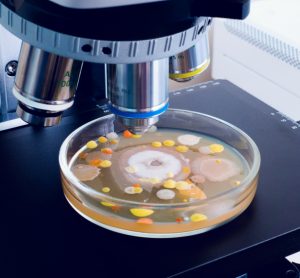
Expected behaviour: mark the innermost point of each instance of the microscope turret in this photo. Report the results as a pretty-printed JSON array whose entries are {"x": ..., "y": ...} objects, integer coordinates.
[{"x": 141, "y": 43}]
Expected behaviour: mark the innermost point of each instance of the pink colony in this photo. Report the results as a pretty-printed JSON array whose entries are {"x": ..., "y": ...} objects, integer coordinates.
[
  {"x": 197, "y": 179},
  {"x": 215, "y": 170},
  {"x": 85, "y": 172}
]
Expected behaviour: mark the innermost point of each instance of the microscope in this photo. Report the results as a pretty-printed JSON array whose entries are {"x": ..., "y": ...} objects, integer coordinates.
[
  {"x": 138, "y": 45},
  {"x": 141, "y": 44}
]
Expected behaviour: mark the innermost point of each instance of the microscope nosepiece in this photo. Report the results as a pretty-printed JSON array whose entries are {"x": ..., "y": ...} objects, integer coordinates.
[{"x": 45, "y": 85}]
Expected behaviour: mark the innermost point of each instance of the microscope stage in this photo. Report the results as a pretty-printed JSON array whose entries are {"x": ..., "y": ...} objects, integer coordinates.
[{"x": 44, "y": 237}]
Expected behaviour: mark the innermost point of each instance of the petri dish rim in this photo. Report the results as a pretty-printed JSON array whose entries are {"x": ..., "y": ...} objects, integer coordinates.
[{"x": 64, "y": 166}]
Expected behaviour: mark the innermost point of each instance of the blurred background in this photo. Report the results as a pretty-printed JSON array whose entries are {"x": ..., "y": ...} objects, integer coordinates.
[{"x": 260, "y": 54}]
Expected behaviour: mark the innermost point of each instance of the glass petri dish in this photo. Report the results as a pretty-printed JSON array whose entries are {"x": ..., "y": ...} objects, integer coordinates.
[{"x": 161, "y": 218}]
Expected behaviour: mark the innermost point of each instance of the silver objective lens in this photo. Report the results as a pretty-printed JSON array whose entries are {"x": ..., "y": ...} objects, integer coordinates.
[
  {"x": 186, "y": 65},
  {"x": 138, "y": 93},
  {"x": 45, "y": 85}
]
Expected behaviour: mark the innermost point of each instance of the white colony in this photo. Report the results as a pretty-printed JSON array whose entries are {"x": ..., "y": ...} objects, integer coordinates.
[
  {"x": 112, "y": 135},
  {"x": 147, "y": 166},
  {"x": 154, "y": 164},
  {"x": 188, "y": 139},
  {"x": 165, "y": 194},
  {"x": 205, "y": 150}
]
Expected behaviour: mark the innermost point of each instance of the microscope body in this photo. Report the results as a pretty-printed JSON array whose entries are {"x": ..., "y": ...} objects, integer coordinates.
[{"x": 141, "y": 43}]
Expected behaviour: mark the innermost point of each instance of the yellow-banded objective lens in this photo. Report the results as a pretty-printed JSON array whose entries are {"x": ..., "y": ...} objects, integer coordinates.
[{"x": 191, "y": 74}]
